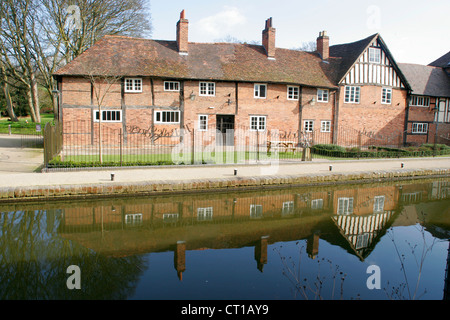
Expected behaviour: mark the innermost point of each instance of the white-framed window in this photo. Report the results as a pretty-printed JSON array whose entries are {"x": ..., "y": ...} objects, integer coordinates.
[
  {"x": 288, "y": 207},
  {"x": 133, "y": 219},
  {"x": 418, "y": 127},
  {"x": 317, "y": 204},
  {"x": 260, "y": 91},
  {"x": 325, "y": 126},
  {"x": 375, "y": 55},
  {"x": 386, "y": 95},
  {"x": 108, "y": 116},
  {"x": 167, "y": 116},
  {"x": 378, "y": 204},
  {"x": 308, "y": 125},
  {"x": 257, "y": 123},
  {"x": 207, "y": 89},
  {"x": 170, "y": 217},
  {"x": 352, "y": 94},
  {"x": 133, "y": 85},
  {"x": 203, "y": 122},
  {"x": 362, "y": 241},
  {"x": 171, "y": 86},
  {"x": 256, "y": 211},
  {"x": 205, "y": 214},
  {"x": 419, "y": 101},
  {"x": 322, "y": 95},
  {"x": 293, "y": 93},
  {"x": 345, "y": 206}
]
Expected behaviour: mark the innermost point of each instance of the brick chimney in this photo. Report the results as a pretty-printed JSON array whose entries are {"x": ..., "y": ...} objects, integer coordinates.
[
  {"x": 323, "y": 45},
  {"x": 268, "y": 39},
  {"x": 182, "y": 34}
]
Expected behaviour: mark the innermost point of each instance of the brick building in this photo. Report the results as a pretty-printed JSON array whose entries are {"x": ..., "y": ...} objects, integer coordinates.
[{"x": 164, "y": 86}]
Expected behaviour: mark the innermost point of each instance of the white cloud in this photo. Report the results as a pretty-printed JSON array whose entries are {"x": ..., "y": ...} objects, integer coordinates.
[{"x": 220, "y": 24}]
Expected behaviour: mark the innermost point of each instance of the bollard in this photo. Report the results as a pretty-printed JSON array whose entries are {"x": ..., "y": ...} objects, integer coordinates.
[
  {"x": 331, "y": 168},
  {"x": 9, "y": 129},
  {"x": 112, "y": 176}
]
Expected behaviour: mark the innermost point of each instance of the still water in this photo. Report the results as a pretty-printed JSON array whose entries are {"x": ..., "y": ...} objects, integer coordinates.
[{"x": 374, "y": 241}]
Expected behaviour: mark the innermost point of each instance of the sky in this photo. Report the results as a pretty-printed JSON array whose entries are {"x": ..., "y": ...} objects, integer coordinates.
[{"x": 414, "y": 31}]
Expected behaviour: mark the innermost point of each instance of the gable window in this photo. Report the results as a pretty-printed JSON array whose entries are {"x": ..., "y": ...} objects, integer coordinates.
[
  {"x": 260, "y": 91},
  {"x": 374, "y": 55},
  {"x": 308, "y": 125},
  {"x": 167, "y": 116},
  {"x": 386, "y": 96},
  {"x": 203, "y": 122},
  {"x": 418, "y": 127},
  {"x": 133, "y": 85},
  {"x": 325, "y": 126},
  {"x": 258, "y": 123},
  {"x": 418, "y": 101},
  {"x": 293, "y": 93},
  {"x": 322, "y": 95},
  {"x": 352, "y": 94},
  {"x": 108, "y": 116},
  {"x": 171, "y": 86},
  {"x": 207, "y": 89}
]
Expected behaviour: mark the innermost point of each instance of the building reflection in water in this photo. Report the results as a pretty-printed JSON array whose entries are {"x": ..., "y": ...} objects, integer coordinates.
[{"x": 352, "y": 217}]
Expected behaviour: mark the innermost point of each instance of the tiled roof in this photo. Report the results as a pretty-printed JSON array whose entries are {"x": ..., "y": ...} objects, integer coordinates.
[
  {"x": 125, "y": 56},
  {"x": 426, "y": 80},
  {"x": 349, "y": 53},
  {"x": 442, "y": 62}
]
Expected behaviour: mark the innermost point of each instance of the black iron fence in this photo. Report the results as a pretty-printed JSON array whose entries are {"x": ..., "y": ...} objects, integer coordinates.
[{"x": 78, "y": 144}]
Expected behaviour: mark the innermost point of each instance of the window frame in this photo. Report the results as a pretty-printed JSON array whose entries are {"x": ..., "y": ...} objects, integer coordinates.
[
  {"x": 376, "y": 53},
  {"x": 320, "y": 98},
  {"x": 257, "y": 90},
  {"x": 384, "y": 96},
  {"x": 209, "y": 87},
  {"x": 416, "y": 104},
  {"x": 295, "y": 95},
  {"x": 258, "y": 124},
  {"x": 311, "y": 124},
  {"x": 161, "y": 117},
  {"x": 356, "y": 94},
  {"x": 322, "y": 125},
  {"x": 205, "y": 214},
  {"x": 256, "y": 211},
  {"x": 345, "y": 206},
  {"x": 133, "y": 85},
  {"x": 106, "y": 111},
  {"x": 416, "y": 125},
  {"x": 175, "y": 83},
  {"x": 200, "y": 121}
]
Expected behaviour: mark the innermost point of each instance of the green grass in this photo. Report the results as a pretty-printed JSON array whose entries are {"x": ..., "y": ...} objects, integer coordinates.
[{"x": 25, "y": 125}]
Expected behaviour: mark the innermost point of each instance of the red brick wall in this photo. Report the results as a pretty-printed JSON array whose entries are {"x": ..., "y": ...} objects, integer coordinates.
[{"x": 384, "y": 122}]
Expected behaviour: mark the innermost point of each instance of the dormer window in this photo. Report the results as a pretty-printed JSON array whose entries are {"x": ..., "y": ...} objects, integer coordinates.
[{"x": 374, "y": 55}]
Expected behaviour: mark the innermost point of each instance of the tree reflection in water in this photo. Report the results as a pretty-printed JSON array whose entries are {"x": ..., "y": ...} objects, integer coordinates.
[{"x": 34, "y": 260}]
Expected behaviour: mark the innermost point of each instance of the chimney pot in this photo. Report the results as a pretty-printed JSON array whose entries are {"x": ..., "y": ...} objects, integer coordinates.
[
  {"x": 323, "y": 45},
  {"x": 268, "y": 39},
  {"x": 183, "y": 34}
]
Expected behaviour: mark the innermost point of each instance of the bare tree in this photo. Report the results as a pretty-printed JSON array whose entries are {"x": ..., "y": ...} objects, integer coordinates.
[
  {"x": 102, "y": 82},
  {"x": 17, "y": 22},
  {"x": 309, "y": 46}
]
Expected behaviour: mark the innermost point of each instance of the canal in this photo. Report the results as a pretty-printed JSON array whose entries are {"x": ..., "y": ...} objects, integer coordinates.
[{"x": 363, "y": 241}]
